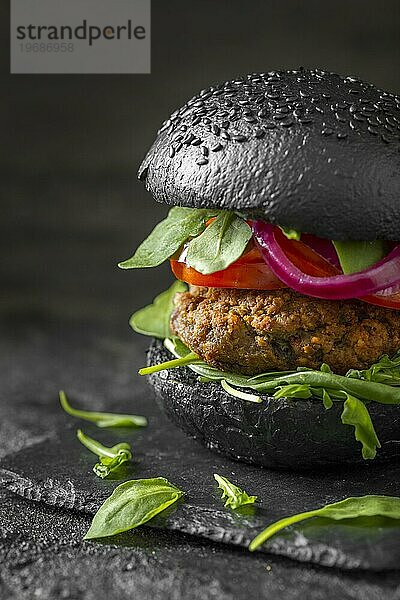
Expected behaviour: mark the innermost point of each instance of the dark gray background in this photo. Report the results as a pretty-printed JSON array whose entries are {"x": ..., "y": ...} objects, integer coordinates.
[
  {"x": 71, "y": 207},
  {"x": 71, "y": 145}
]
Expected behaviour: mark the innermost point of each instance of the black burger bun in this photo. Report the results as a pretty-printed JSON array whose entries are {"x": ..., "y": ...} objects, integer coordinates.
[
  {"x": 278, "y": 433},
  {"x": 305, "y": 149}
]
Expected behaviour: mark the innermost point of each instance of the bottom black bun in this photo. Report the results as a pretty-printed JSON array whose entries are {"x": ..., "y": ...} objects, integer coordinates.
[{"x": 279, "y": 433}]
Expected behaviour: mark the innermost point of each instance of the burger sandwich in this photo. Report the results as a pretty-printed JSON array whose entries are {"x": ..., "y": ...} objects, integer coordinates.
[{"x": 278, "y": 344}]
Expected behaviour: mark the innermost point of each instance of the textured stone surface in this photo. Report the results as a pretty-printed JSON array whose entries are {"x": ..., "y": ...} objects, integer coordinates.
[
  {"x": 98, "y": 370},
  {"x": 42, "y": 557},
  {"x": 302, "y": 148}
]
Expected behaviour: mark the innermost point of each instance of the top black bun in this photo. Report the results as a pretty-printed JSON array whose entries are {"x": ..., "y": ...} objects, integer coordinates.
[{"x": 305, "y": 149}]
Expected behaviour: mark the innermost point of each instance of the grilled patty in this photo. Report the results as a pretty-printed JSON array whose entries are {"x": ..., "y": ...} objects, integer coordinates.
[{"x": 256, "y": 331}]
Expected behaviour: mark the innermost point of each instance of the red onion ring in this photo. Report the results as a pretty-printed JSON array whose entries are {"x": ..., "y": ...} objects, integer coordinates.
[
  {"x": 384, "y": 274},
  {"x": 323, "y": 247}
]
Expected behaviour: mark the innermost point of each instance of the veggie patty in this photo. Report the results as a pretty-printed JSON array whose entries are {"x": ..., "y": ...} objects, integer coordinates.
[{"x": 251, "y": 331}]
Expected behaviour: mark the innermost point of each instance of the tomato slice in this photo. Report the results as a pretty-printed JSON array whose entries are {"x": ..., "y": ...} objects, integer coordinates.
[
  {"x": 250, "y": 271},
  {"x": 392, "y": 301}
]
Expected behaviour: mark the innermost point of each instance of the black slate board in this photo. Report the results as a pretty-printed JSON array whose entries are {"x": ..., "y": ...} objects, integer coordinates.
[
  {"x": 58, "y": 472},
  {"x": 98, "y": 370}
]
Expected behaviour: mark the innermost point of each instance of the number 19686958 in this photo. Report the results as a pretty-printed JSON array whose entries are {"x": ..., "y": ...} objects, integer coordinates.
[{"x": 47, "y": 47}]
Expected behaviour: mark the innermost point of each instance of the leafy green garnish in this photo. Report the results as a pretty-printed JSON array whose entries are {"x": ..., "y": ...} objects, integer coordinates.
[
  {"x": 386, "y": 370},
  {"x": 356, "y": 413},
  {"x": 291, "y": 234},
  {"x": 220, "y": 244},
  {"x": 338, "y": 386},
  {"x": 110, "y": 458},
  {"x": 168, "y": 236},
  {"x": 356, "y": 256},
  {"x": 304, "y": 384},
  {"x": 102, "y": 419},
  {"x": 350, "y": 508},
  {"x": 233, "y": 495},
  {"x": 326, "y": 399},
  {"x": 154, "y": 319},
  {"x": 131, "y": 504}
]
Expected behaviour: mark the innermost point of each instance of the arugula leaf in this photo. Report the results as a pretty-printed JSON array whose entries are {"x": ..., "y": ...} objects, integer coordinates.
[
  {"x": 168, "y": 236},
  {"x": 293, "y": 390},
  {"x": 356, "y": 413},
  {"x": 357, "y": 256},
  {"x": 336, "y": 384},
  {"x": 110, "y": 458},
  {"x": 233, "y": 495},
  {"x": 131, "y": 504},
  {"x": 220, "y": 244},
  {"x": 187, "y": 360},
  {"x": 154, "y": 319},
  {"x": 326, "y": 399},
  {"x": 350, "y": 508},
  {"x": 291, "y": 234},
  {"x": 386, "y": 370},
  {"x": 303, "y": 383},
  {"x": 102, "y": 419}
]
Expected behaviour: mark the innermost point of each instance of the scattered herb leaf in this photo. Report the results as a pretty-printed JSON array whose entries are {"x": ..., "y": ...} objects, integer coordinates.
[
  {"x": 350, "y": 508},
  {"x": 131, "y": 504},
  {"x": 233, "y": 495},
  {"x": 110, "y": 458},
  {"x": 168, "y": 236},
  {"x": 154, "y": 319},
  {"x": 102, "y": 419},
  {"x": 220, "y": 244}
]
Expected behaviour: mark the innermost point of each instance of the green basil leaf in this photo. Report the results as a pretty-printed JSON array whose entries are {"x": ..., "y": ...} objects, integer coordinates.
[
  {"x": 154, "y": 319},
  {"x": 355, "y": 413},
  {"x": 358, "y": 256},
  {"x": 168, "y": 236},
  {"x": 350, "y": 508},
  {"x": 108, "y": 466},
  {"x": 234, "y": 496},
  {"x": 131, "y": 504},
  {"x": 220, "y": 244},
  {"x": 102, "y": 419},
  {"x": 110, "y": 458}
]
